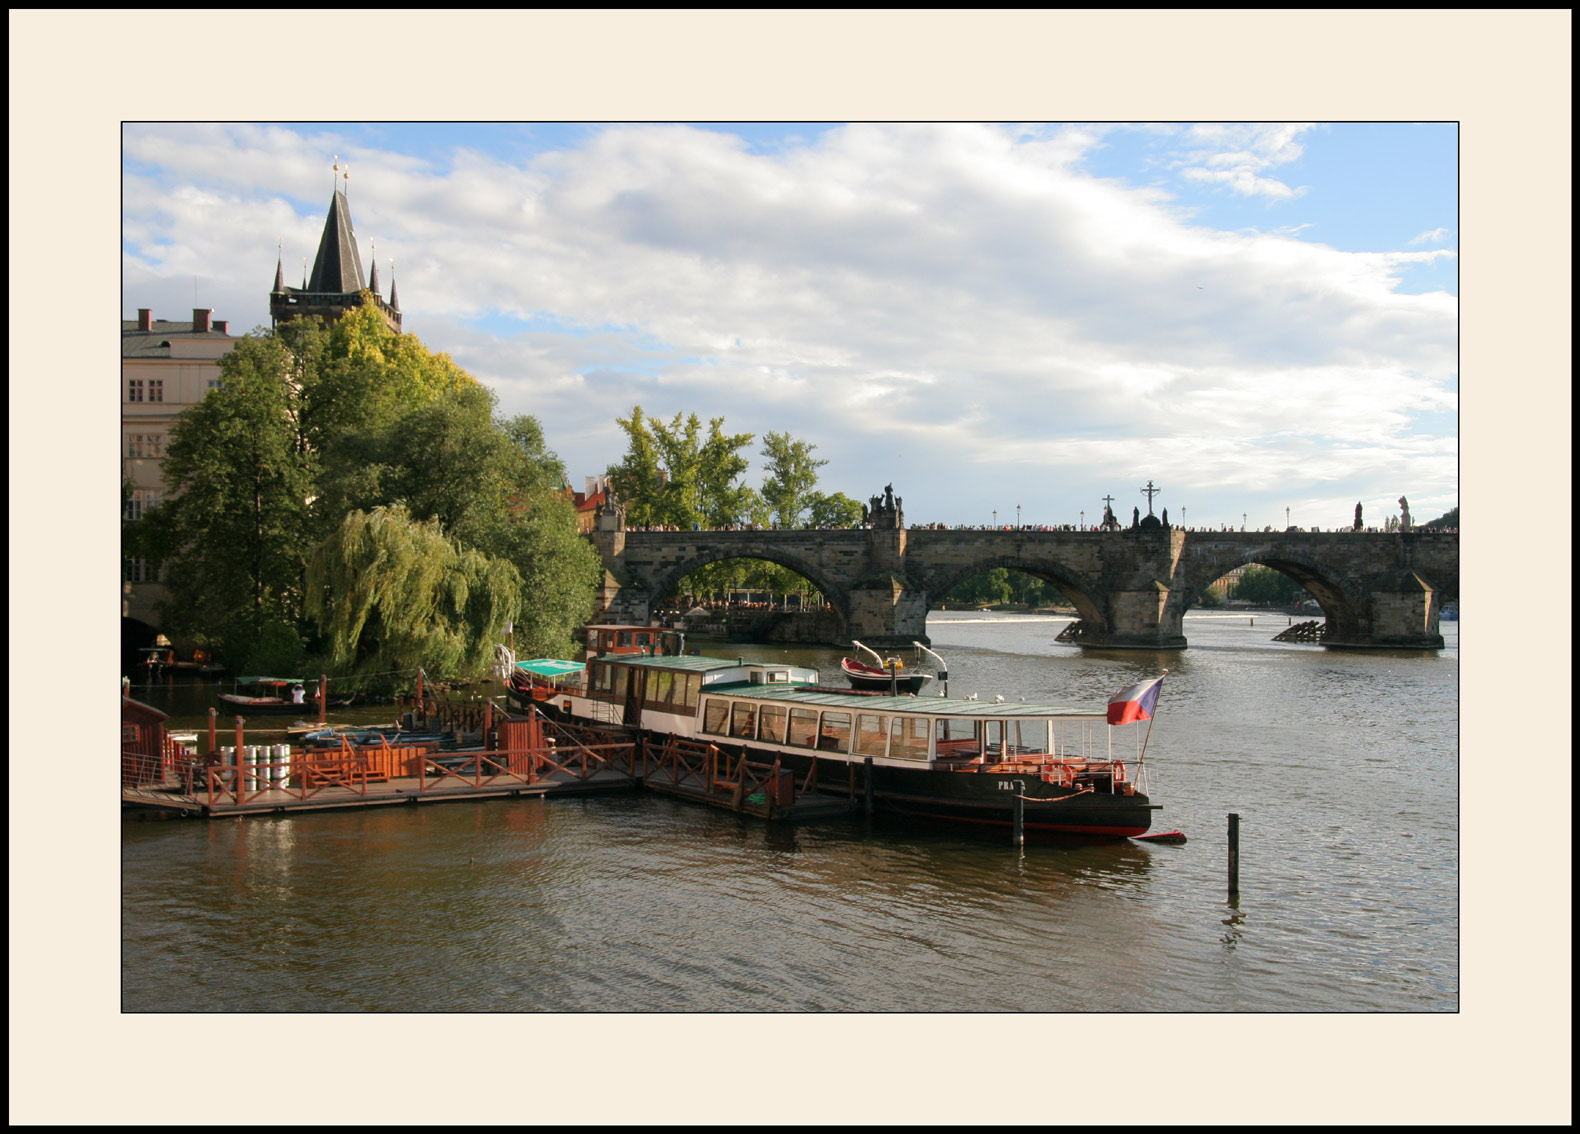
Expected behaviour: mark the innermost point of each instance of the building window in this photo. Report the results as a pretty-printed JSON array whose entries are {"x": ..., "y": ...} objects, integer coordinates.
[
  {"x": 137, "y": 571},
  {"x": 145, "y": 445},
  {"x": 216, "y": 383},
  {"x": 156, "y": 389},
  {"x": 142, "y": 500},
  {"x": 134, "y": 389}
]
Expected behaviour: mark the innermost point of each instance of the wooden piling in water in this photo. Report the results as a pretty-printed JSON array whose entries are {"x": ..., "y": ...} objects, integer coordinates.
[{"x": 1234, "y": 855}]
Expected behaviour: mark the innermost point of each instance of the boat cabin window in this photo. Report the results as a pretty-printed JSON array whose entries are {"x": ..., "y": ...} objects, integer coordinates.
[
  {"x": 621, "y": 676},
  {"x": 992, "y": 739},
  {"x": 871, "y": 734},
  {"x": 714, "y": 713},
  {"x": 660, "y": 687},
  {"x": 803, "y": 728},
  {"x": 957, "y": 738},
  {"x": 834, "y": 736},
  {"x": 688, "y": 700},
  {"x": 602, "y": 680},
  {"x": 909, "y": 739},
  {"x": 622, "y": 637},
  {"x": 771, "y": 723},
  {"x": 743, "y": 721}
]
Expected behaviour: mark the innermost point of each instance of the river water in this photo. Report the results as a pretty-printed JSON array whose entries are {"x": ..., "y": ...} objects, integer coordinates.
[{"x": 1342, "y": 765}]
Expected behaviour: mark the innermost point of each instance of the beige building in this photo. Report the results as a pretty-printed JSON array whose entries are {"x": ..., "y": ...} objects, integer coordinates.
[{"x": 165, "y": 367}]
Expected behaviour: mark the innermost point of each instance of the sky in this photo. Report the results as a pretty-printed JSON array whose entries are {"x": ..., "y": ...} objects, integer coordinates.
[{"x": 1005, "y": 320}]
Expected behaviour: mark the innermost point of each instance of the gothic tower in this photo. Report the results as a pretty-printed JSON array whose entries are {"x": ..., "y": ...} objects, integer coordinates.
[{"x": 336, "y": 284}]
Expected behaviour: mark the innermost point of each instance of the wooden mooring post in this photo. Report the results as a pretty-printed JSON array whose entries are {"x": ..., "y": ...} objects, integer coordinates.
[
  {"x": 1018, "y": 837},
  {"x": 867, "y": 766},
  {"x": 1234, "y": 855}
]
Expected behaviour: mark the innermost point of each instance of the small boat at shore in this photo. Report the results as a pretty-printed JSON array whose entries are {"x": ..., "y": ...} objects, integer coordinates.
[{"x": 289, "y": 696}]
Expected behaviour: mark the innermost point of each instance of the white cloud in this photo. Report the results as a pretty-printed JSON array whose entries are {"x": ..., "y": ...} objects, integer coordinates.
[
  {"x": 1431, "y": 236},
  {"x": 912, "y": 299}
]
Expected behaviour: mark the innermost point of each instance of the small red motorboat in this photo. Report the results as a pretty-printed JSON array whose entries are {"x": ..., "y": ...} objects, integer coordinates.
[{"x": 871, "y": 679}]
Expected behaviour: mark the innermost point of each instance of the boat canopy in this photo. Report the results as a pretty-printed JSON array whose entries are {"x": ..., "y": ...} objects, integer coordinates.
[
  {"x": 271, "y": 681},
  {"x": 549, "y": 667}
]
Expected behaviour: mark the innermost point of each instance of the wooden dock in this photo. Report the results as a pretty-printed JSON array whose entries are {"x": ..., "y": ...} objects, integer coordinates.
[
  {"x": 527, "y": 756},
  {"x": 175, "y": 800}
]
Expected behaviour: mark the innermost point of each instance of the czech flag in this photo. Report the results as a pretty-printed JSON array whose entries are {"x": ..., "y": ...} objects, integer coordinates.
[{"x": 1134, "y": 702}]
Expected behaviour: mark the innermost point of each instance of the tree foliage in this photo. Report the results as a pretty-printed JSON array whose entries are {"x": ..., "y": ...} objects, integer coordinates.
[
  {"x": 790, "y": 480},
  {"x": 391, "y": 593},
  {"x": 834, "y": 510},
  {"x": 234, "y": 533},
  {"x": 674, "y": 476},
  {"x": 316, "y": 426}
]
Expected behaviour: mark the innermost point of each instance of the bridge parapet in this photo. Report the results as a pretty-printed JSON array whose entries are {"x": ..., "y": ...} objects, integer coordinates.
[{"x": 1131, "y": 587}]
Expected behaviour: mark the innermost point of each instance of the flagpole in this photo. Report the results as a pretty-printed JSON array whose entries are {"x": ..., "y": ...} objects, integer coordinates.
[{"x": 1150, "y": 721}]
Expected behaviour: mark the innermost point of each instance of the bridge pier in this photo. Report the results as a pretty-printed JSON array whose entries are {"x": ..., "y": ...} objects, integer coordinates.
[
  {"x": 1401, "y": 613},
  {"x": 886, "y": 614},
  {"x": 1138, "y": 620}
]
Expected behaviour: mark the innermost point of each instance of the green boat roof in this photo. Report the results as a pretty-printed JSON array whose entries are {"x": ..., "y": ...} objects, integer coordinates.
[
  {"x": 550, "y": 667},
  {"x": 693, "y": 663},
  {"x": 883, "y": 703}
]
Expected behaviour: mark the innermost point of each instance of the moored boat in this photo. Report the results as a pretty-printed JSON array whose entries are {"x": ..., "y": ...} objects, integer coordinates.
[
  {"x": 871, "y": 679},
  {"x": 934, "y": 758},
  {"x": 291, "y": 696}
]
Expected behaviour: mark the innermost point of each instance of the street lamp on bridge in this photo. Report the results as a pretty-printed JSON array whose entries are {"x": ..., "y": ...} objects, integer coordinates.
[
  {"x": 1242, "y": 521},
  {"x": 1017, "y": 517},
  {"x": 995, "y": 517}
]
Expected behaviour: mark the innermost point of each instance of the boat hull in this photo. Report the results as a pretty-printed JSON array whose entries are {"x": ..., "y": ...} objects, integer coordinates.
[
  {"x": 984, "y": 799},
  {"x": 865, "y": 679},
  {"x": 272, "y": 706}
]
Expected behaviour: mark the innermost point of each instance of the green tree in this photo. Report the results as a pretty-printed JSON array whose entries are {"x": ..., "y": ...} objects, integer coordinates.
[
  {"x": 357, "y": 420},
  {"x": 835, "y": 510},
  {"x": 790, "y": 478},
  {"x": 671, "y": 475},
  {"x": 233, "y": 534},
  {"x": 390, "y": 593}
]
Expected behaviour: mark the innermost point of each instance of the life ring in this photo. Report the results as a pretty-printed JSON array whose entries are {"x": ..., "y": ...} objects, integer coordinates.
[{"x": 1119, "y": 771}]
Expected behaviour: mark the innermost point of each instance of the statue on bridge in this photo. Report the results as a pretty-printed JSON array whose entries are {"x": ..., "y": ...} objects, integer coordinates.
[
  {"x": 1404, "y": 515},
  {"x": 1358, "y": 517},
  {"x": 1135, "y": 519},
  {"x": 884, "y": 512},
  {"x": 1110, "y": 523}
]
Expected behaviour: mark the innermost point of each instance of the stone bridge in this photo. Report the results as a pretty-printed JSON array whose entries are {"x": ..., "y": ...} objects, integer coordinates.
[{"x": 1131, "y": 588}]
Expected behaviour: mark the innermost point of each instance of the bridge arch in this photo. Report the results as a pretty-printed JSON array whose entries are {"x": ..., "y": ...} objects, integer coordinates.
[
  {"x": 1081, "y": 592},
  {"x": 1343, "y": 601},
  {"x": 664, "y": 580}
]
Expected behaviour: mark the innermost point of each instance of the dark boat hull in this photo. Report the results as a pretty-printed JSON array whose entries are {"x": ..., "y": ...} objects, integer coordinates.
[
  {"x": 271, "y": 706},
  {"x": 984, "y": 799},
  {"x": 876, "y": 682}
]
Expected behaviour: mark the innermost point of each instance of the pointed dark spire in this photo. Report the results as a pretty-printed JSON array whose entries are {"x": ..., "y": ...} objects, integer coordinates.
[
  {"x": 394, "y": 303},
  {"x": 338, "y": 269},
  {"x": 373, "y": 273},
  {"x": 279, "y": 274}
]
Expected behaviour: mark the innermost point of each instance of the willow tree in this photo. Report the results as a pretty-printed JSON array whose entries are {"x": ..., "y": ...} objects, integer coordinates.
[{"x": 392, "y": 593}]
